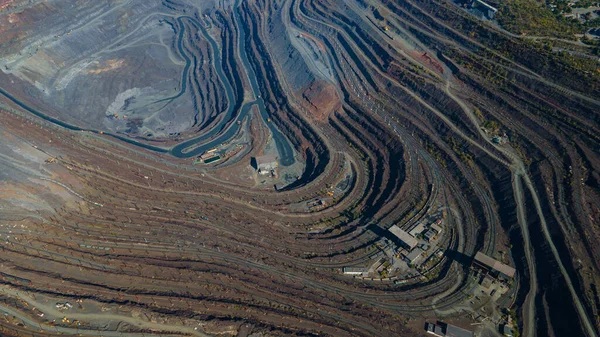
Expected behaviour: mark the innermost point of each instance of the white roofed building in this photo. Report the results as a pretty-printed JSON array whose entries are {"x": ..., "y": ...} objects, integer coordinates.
[{"x": 407, "y": 239}]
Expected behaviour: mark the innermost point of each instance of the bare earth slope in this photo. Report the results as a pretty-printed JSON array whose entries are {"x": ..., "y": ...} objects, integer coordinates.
[{"x": 234, "y": 168}]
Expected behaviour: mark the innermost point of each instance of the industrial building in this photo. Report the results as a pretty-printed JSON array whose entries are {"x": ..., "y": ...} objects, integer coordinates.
[
  {"x": 418, "y": 229},
  {"x": 486, "y": 281},
  {"x": 454, "y": 331},
  {"x": 435, "y": 330},
  {"x": 406, "y": 239},
  {"x": 486, "y": 9},
  {"x": 353, "y": 271},
  {"x": 488, "y": 264},
  {"x": 266, "y": 163},
  {"x": 447, "y": 330},
  {"x": 414, "y": 256},
  {"x": 430, "y": 235}
]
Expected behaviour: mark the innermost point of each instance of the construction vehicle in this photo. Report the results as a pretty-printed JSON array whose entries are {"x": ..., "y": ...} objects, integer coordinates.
[{"x": 50, "y": 160}]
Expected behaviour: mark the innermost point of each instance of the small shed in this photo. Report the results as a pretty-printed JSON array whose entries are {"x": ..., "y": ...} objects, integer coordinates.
[
  {"x": 435, "y": 330},
  {"x": 436, "y": 228},
  {"x": 508, "y": 331}
]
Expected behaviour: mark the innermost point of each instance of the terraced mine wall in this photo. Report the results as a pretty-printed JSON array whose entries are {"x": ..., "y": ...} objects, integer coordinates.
[{"x": 148, "y": 214}]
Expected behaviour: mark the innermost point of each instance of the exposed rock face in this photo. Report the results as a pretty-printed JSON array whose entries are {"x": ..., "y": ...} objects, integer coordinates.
[
  {"x": 96, "y": 64},
  {"x": 322, "y": 100}
]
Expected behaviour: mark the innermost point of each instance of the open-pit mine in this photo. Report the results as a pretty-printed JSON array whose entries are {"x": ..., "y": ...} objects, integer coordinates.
[{"x": 295, "y": 168}]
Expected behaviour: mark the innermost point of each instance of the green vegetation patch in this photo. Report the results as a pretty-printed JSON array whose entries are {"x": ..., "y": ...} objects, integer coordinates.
[{"x": 533, "y": 18}]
